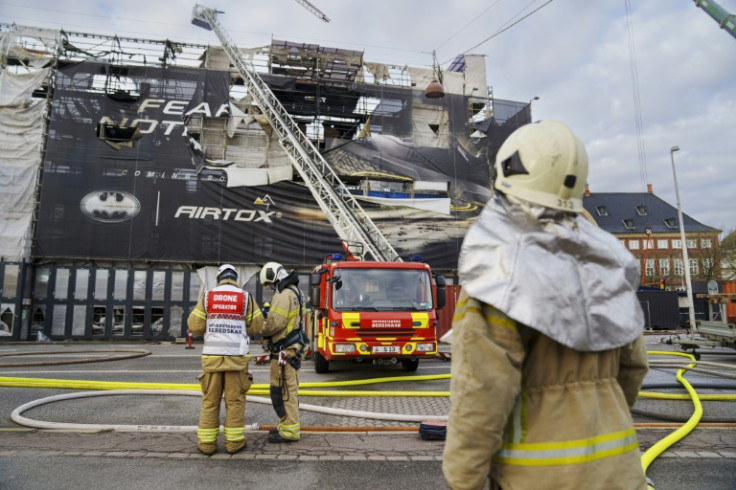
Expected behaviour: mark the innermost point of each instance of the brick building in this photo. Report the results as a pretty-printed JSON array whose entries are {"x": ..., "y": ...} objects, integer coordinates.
[{"x": 649, "y": 227}]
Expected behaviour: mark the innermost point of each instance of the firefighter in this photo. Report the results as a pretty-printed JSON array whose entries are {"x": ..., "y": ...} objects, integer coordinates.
[
  {"x": 224, "y": 315},
  {"x": 284, "y": 337},
  {"x": 547, "y": 348}
]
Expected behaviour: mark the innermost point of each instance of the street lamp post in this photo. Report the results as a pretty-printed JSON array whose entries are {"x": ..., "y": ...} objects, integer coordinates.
[
  {"x": 688, "y": 284},
  {"x": 536, "y": 97}
]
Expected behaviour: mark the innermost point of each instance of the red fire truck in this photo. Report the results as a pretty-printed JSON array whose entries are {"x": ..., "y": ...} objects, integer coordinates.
[{"x": 385, "y": 312}]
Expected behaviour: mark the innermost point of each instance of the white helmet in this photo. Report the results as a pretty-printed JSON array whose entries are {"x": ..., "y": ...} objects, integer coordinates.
[
  {"x": 227, "y": 271},
  {"x": 543, "y": 163},
  {"x": 269, "y": 273}
]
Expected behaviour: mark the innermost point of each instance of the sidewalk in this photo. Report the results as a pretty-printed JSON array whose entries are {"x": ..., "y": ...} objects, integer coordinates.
[{"x": 346, "y": 446}]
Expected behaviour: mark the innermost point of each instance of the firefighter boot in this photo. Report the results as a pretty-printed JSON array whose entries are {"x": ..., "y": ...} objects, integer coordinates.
[
  {"x": 277, "y": 439},
  {"x": 207, "y": 448},
  {"x": 233, "y": 447}
]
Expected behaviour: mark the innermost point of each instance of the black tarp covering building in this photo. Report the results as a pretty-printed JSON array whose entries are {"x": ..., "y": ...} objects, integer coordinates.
[{"x": 121, "y": 182}]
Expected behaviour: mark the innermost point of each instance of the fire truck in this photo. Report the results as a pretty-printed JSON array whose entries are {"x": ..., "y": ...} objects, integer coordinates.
[{"x": 378, "y": 311}]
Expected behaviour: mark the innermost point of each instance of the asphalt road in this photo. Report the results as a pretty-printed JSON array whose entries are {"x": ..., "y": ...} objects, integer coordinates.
[
  {"x": 350, "y": 452},
  {"x": 42, "y": 472}
]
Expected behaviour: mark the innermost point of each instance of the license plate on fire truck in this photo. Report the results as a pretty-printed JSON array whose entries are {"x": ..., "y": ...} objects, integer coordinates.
[{"x": 386, "y": 349}]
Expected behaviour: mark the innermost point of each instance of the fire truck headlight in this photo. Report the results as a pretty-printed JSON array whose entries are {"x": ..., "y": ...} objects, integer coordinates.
[
  {"x": 426, "y": 347},
  {"x": 345, "y": 348}
]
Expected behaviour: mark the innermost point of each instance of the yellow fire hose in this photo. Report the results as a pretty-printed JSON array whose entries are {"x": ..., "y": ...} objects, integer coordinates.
[
  {"x": 660, "y": 446},
  {"x": 256, "y": 389},
  {"x": 304, "y": 390}
]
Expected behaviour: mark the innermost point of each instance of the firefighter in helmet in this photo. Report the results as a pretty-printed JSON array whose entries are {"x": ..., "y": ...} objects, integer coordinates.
[
  {"x": 285, "y": 339},
  {"x": 547, "y": 348},
  {"x": 224, "y": 315}
]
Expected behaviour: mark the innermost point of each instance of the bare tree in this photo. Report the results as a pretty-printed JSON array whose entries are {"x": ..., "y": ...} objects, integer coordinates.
[
  {"x": 707, "y": 252},
  {"x": 728, "y": 256}
]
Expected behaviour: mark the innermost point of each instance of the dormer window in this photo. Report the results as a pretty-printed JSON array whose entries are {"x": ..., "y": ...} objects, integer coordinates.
[
  {"x": 601, "y": 210},
  {"x": 629, "y": 224},
  {"x": 641, "y": 210},
  {"x": 670, "y": 223}
]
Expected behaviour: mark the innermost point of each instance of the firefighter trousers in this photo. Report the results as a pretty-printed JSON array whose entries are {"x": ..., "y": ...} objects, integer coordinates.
[
  {"x": 284, "y": 388},
  {"x": 232, "y": 386}
]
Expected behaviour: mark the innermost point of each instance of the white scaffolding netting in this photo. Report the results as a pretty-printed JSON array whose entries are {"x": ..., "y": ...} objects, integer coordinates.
[{"x": 21, "y": 140}]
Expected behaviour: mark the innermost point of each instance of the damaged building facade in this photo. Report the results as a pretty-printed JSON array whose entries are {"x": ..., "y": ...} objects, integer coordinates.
[{"x": 132, "y": 166}]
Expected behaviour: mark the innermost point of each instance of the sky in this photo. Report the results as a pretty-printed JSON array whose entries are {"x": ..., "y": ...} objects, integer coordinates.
[{"x": 631, "y": 78}]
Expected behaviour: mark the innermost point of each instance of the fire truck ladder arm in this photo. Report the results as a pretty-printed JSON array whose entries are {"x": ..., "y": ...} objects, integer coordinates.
[{"x": 347, "y": 217}]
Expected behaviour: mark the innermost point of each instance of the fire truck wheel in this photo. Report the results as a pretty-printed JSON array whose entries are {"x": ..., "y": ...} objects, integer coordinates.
[
  {"x": 321, "y": 365},
  {"x": 410, "y": 365}
]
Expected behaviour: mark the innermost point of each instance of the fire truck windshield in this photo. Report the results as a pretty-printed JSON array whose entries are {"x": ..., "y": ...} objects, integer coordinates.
[{"x": 382, "y": 290}]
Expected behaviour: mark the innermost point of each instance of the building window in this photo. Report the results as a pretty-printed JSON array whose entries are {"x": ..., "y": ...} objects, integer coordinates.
[
  {"x": 692, "y": 243},
  {"x": 641, "y": 210},
  {"x": 662, "y": 244},
  {"x": 678, "y": 267},
  {"x": 601, "y": 210},
  {"x": 693, "y": 267},
  {"x": 664, "y": 267},
  {"x": 670, "y": 223},
  {"x": 705, "y": 243},
  {"x": 649, "y": 268},
  {"x": 633, "y": 244},
  {"x": 676, "y": 243},
  {"x": 629, "y": 224},
  {"x": 707, "y": 265}
]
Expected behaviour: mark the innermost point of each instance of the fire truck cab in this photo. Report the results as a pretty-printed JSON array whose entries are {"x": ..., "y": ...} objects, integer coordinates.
[{"x": 385, "y": 312}]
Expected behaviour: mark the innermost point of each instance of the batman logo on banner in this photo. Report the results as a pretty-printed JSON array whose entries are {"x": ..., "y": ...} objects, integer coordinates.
[{"x": 110, "y": 206}]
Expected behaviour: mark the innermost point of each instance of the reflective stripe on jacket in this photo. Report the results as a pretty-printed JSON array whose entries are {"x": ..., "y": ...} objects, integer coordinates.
[{"x": 567, "y": 452}]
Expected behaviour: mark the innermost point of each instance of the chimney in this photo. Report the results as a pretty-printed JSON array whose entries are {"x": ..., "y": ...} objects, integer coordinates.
[
  {"x": 649, "y": 189},
  {"x": 587, "y": 190}
]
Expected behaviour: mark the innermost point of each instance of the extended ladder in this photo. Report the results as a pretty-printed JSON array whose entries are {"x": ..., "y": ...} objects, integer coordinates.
[{"x": 350, "y": 221}]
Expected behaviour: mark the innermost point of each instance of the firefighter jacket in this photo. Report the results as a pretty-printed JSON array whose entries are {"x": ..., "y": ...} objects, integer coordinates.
[
  {"x": 538, "y": 414},
  {"x": 225, "y": 316},
  {"x": 285, "y": 315},
  {"x": 547, "y": 354}
]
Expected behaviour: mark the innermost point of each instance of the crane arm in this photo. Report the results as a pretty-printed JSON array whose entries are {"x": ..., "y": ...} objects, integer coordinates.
[
  {"x": 719, "y": 14},
  {"x": 317, "y": 12}
]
